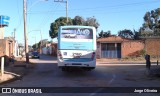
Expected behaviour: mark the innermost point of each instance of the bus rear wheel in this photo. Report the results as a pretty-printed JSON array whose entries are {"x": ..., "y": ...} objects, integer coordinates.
[
  {"x": 88, "y": 69},
  {"x": 65, "y": 68}
]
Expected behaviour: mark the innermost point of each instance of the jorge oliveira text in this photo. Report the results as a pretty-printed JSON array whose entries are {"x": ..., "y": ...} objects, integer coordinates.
[{"x": 145, "y": 90}]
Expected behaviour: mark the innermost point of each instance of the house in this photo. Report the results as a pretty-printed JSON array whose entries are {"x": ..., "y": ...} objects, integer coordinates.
[
  {"x": 7, "y": 48},
  {"x": 50, "y": 49},
  {"x": 21, "y": 49},
  {"x": 6, "y": 45},
  {"x": 118, "y": 47}
]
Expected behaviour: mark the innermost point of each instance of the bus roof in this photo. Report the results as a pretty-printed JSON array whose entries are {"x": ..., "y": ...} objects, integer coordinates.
[{"x": 75, "y": 26}]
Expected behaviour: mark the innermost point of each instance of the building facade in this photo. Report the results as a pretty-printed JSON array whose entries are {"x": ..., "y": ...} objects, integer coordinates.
[
  {"x": 152, "y": 46},
  {"x": 50, "y": 49},
  {"x": 118, "y": 47},
  {"x": 6, "y": 49}
]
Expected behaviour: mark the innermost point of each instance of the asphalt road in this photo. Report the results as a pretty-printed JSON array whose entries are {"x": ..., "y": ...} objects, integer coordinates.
[{"x": 47, "y": 74}]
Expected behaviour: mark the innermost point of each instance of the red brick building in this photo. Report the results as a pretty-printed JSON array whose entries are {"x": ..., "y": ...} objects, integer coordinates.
[
  {"x": 118, "y": 47},
  {"x": 152, "y": 46},
  {"x": 6, "y": 49}
]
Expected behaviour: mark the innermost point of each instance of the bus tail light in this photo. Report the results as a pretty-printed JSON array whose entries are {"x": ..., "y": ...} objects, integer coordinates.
[
  {"x": 60, "y": 55},
  {"x": 93, "y": 55}
]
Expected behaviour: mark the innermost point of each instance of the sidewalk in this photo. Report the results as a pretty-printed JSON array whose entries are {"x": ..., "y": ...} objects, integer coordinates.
[
  {"x": 121, "y": 61},
  {"x": 15, "y": 71}
]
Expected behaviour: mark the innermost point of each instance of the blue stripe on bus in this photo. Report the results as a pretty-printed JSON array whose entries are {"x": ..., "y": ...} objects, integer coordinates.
[
  {"x": 77, "y": 59},
  {"x": 76, "y": 45}
]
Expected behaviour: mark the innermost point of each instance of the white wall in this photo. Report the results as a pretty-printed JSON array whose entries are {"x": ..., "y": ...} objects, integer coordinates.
[
  {"x": 16, "y": 51},
  {"x": 44, "y": 50},
  {"x": 47, "y": 50}
]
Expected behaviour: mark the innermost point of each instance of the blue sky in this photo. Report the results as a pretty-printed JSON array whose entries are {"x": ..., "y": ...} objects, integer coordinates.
[{"x": 113, "y": 15}]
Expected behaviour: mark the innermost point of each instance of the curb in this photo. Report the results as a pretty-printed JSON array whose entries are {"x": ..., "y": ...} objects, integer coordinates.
[
  {"x": 12, "y": 80},
  {"x": 16, "y": 76}
]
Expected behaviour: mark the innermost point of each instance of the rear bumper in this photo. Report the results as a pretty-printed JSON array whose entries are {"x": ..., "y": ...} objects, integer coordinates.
[{"x": 77, "y": 64}]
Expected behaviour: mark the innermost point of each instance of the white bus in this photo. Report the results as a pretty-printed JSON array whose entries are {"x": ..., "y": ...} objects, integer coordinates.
[{"x": 76, "y": 47}]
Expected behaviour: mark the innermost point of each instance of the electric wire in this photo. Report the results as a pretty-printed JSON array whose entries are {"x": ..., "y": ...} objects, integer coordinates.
[{"x": 98, "y": 9}]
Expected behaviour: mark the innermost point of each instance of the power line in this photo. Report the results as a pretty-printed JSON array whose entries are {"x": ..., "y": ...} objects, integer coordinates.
[
  {"x": 46, "y": 19},
  {"x": 118, "y": 6},
  {"x": 20, "y": 16},
  {"x": 99, "y": 12},
  {"x": 97, "y": 8}
]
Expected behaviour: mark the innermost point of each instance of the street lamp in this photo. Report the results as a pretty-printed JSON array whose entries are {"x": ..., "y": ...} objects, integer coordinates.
[
  {"x": 25, "y": 33},
  {"x": 41, "y": 39},
  {"x": 35, "y": 42}
]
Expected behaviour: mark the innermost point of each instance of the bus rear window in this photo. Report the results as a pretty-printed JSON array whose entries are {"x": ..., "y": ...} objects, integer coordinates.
[{"x": 77, "y": 33}]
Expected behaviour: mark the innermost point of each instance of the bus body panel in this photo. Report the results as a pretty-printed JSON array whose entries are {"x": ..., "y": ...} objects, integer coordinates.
[
  {"x": 79, "y": 58},
  {"x": 76, "y": 46}
]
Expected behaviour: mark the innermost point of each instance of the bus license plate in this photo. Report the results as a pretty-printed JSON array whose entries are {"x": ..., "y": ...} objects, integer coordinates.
[{"x": 77, "y": 55}]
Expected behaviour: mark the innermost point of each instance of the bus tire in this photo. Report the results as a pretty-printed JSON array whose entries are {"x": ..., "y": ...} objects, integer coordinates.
[
  {"x": 87, "y": 69},
  {"x": 63, "y": 69}
]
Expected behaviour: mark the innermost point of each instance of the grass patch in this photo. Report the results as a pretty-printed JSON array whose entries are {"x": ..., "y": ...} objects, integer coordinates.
[
  {"x": 132, "y": 58},
  {"x": 140, "y": 58}
]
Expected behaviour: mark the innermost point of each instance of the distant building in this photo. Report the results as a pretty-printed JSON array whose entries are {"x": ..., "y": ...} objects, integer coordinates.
[{"x": 50, "y": 49}]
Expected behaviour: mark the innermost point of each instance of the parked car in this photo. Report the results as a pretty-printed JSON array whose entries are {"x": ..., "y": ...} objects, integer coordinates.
[
  {"x": 30, "y": 54},
  {"x": 23, "y": 54},
  {"x": 35, "y": 55}
]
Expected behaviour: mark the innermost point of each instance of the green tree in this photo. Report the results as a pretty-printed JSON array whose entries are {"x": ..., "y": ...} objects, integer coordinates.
[
  {"x": 145, "y": 32},
  {"x": 126, "y": 33},
  {"x": 44, "y": 42},
  {"x": 92, "y": 21},
  {"x": 103, "y": 34},
  {"x": 35, "y": 46},
  {"x": 152, "y": 22},
  {"x": 78, "y": 20},
  {"x": 136, "y": 35},
  {"x": 100, "y": 35},
  {"x": 61, "y": 21}
]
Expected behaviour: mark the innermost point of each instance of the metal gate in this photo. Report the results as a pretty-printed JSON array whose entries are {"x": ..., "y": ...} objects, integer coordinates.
[{"x": 111, "y": 50}]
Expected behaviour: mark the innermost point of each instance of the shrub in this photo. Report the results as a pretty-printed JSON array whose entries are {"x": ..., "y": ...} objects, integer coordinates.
[{"x": 143, "y": 52}]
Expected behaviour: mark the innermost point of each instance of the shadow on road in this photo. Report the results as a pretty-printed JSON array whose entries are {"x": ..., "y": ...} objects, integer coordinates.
[{"x": 47, "y": 58}]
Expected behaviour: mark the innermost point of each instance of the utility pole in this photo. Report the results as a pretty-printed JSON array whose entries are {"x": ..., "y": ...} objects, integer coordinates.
[
  {"x": 41, "y": 43},
  {"x": 35, "y": 43},
  {"x": 14, "y": 34},
  {"x": 62, "y": 1},
  {"x": 25, "y": 35},
  {"x": 67, "y": 10}
]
